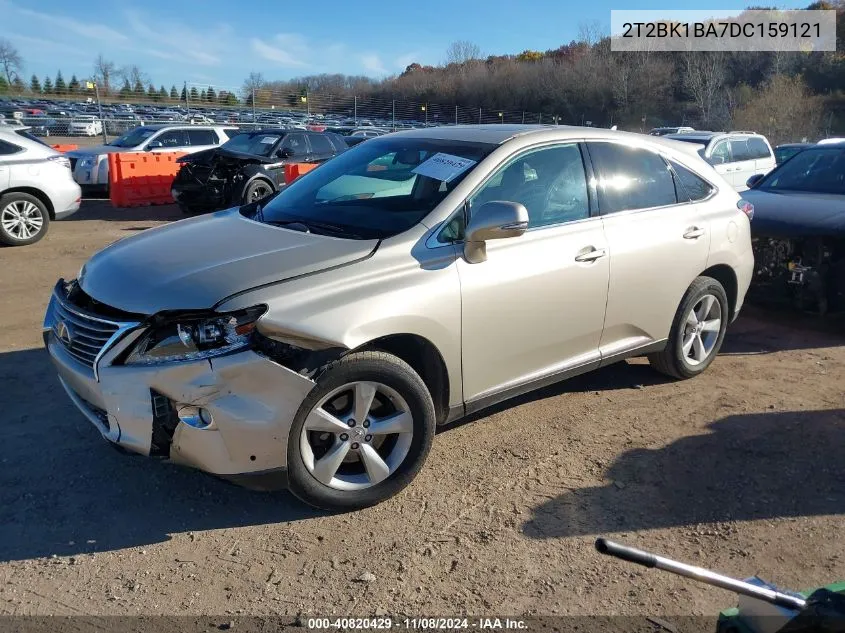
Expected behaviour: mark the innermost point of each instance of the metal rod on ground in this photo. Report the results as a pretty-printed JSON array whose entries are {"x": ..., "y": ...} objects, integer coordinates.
[{"x": 633, "y": 555}]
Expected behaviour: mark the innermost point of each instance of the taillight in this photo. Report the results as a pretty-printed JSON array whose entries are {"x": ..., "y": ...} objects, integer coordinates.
[
  {"x": 61, "y": 160},
  {"x": 746, "y": 207}
]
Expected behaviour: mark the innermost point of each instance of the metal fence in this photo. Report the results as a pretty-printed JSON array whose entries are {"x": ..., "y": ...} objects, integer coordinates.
[{"x": 80, "y": 115}]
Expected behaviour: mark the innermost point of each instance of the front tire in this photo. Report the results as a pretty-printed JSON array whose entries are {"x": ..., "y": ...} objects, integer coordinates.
[
  {"x": 23, "y": 219},
  {"x": 257, "y": 190},
  {"x": 362, "y": 434},
  {"x": 697, "y": 331}
]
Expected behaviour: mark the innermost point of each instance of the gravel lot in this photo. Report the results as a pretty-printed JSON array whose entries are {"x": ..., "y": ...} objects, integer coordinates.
[{"x": 740, "y": 469}]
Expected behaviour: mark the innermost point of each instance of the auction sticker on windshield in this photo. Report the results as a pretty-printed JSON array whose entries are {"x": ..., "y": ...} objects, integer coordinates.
[
  {"x": 268, "y": 140},
  {"x": 443, "y": 167}
]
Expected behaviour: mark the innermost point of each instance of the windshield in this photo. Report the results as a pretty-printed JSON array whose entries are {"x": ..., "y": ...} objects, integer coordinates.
[
  {"x": 256, "y": 144},
  {"x": 813, "y": 170},
  {"x": 380, "y": 188},
  {"x": 783, "y": 153},
  {"x": 135, "y": 137}
]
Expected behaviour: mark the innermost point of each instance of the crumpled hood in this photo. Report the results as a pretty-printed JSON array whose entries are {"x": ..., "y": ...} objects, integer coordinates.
[
  {"x": 792, "y": 214},
  {"x": 194, "y": 264}
]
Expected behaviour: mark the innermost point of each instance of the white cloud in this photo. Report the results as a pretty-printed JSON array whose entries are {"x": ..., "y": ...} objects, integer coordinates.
[
  {"x": 372, "y": 63},
  {"x": 275, "y": 54},
  {"x": 176, "y": 41},
  {"x": 88, "y": 30}
]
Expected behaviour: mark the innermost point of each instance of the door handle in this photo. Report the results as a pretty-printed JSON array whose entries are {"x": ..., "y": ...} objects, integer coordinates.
[
  {"x": 591, "y": 256},
  {"x": 693, "y": 233}
]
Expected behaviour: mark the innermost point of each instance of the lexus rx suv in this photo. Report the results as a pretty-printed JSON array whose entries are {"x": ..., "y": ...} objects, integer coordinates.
[{"x": 319, "y": 336}]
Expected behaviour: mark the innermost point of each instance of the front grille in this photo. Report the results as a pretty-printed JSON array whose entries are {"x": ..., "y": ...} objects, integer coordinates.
[{"x": 81, "y": 335}]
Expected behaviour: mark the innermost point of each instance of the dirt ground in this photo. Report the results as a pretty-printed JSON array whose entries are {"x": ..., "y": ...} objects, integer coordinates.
[{"x": 740, "y": 470}]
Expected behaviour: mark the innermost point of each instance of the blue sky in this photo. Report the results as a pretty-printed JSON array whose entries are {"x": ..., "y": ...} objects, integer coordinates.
[{"x": 219, "y": 42}]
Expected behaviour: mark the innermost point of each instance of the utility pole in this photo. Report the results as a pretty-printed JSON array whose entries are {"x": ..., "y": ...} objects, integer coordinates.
[
  {"x": 99, "y": 108},
  {"x": 187, "y": 103},
  {"x": 355, "y": 106},
  {"x": 394, "y": 115},
  {"x": 253, "y": 107},
  {"x": 479, "y": 116},
  {"x": 456, "y": 115}
]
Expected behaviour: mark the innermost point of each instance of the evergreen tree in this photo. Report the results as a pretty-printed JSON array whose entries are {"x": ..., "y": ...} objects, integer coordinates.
[
  {"x": 184, "y": 96},
  {"x": 73, "y": 86},
  {"x": 152, "y": 93},
  {"x": 17, "y": 85},
  {"x": 126, "y": 90},
  {"x": 210, "y": 94},
  {"x": 194, "y": 94},
  {"x": 139, "y": 90},
  {"x": 162, "y": 94},
  {"x": 173, "y": 93},
  {"x": 35, "y": 85},
  {"x": 61, "y": 86},
  {"x": 4, "y": 85},
  {"x": 202, "y": 96},
  {"x": 48, "y": 86}
]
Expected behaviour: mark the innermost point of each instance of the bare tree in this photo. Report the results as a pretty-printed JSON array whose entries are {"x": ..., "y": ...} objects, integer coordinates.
[
  {"x": 461, "y": 52},
  {"x": 253, "y": 84},
  {"x": 133, "y": 74},
  {"x": 704, "y": 79},
  {"x": 10, "y": 60},
  {"x": 104, "y": 72},
  {"x": 590, "y": 33}
]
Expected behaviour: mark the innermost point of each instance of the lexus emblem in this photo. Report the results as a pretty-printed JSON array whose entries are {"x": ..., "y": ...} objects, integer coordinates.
[{"x": 64, "y": 333}]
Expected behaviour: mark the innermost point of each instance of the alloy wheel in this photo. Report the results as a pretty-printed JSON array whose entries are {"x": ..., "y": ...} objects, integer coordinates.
[
  {"x": 356, "y": 436},
  {"x": 21, "y": 219},
  {"x": 260, "y": 192},
  {"x": 701, "y": 329}
]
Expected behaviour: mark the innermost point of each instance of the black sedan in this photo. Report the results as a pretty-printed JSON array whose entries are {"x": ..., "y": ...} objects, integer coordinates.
[
  {"x": 787, "y": 150},
  {"x": 798, "y": 230},
  {"x": 247, "y": 168}
]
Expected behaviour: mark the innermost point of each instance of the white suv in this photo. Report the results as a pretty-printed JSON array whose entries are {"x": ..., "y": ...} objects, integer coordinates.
[
  {"x": 35, "y": 187},
  {"x": 90, "y": 165},
  {"x": 735, "y": 155}
]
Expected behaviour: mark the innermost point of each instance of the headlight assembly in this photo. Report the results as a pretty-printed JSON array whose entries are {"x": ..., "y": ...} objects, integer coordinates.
[{"x": 196, "y": 337}]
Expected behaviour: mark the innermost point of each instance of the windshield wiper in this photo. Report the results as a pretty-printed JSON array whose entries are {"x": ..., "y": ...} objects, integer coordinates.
[{"x": 320, "y": 226}]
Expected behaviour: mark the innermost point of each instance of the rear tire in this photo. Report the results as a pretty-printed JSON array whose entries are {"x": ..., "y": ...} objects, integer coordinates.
[
  {"x": 24, "y": 219},
  {"x": 374, "y": 461},
  {"x": 697, "y": 331}
]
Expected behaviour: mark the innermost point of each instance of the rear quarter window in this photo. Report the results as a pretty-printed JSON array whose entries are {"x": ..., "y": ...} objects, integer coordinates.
[
  {"x": 690, "y": 186},
  {"x": 7, "y": 149},
  {"x": 759, "y": 148}
]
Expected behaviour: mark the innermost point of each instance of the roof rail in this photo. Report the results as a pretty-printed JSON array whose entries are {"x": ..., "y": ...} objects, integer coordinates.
[{"x": 742, "y": 132}]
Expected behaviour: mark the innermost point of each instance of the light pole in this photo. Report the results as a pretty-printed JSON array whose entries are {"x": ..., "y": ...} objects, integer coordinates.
[
  {"x": 501, "y": 117},
  {"x": 425, "y": 109},
  {"x": 93, "y": 84}
]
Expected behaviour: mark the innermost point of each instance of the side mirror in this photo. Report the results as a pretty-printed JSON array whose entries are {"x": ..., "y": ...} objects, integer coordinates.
[
  {"x": 154, "y": 145},
  {"x": 285, "y": 152},
  {"x": 754, "y": 180},
  {"x": 494, "y": 220}
]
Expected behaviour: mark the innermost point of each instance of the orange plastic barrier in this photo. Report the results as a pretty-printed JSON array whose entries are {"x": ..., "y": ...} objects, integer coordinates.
[
  {"x": 138, "y": 179},
  {"x": 295, "y": 170},
  {"x": 65, "y": 148}
]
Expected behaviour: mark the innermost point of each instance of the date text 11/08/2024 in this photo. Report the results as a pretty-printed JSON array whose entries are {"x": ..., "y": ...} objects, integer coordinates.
[
  {"x": 664, "y": 30},
  {"x": 415, "y": 624}
]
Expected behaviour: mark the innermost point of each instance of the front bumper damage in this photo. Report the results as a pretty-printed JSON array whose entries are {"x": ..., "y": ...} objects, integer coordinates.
[{"x": 251, "y": 400}]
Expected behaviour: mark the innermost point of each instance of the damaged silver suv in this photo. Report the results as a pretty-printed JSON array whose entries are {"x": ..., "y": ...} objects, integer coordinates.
[{"x": 321, "y": 335}]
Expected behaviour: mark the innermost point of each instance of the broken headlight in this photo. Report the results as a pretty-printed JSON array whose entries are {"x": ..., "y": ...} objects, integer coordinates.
[{"x": 196, "y": 337}]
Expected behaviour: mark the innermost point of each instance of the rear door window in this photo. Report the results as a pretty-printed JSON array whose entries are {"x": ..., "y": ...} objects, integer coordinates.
[
  {"x": 740, "y": 150},
  {"x": 631, "y": 178},
  {"x": 202, "y": 137},
  {"x": 320, "y": 144}
]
